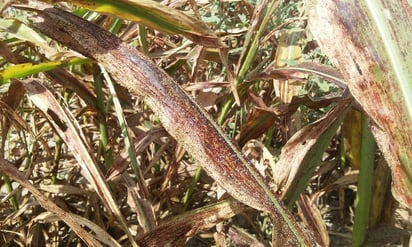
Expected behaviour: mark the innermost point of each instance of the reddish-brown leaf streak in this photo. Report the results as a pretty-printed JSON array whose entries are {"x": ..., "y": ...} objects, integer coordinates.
[
  {"x": 180, "y": 115},
  {"x": 358, "y": 50}
]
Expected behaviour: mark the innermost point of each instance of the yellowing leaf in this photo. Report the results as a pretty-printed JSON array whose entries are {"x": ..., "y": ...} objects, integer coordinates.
[
  {"x": 303, "y": 152},
  {"x": 26, "y": 69},
  {"x": 157, "y": 16},
  {"x": 288, "y": 51},
  {"x": 370, "y": 43},
  {"x": 352, "y": 136},
  {"x": 21, "y": 31},
  {"x": 179, "y": 114}
]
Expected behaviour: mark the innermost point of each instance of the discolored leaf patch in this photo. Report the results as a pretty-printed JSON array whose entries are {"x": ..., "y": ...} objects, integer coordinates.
[{"x": 371, "y": 48}]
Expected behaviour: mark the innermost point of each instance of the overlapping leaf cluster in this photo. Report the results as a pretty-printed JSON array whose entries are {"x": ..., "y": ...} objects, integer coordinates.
[{"x": 85, "y": 160}]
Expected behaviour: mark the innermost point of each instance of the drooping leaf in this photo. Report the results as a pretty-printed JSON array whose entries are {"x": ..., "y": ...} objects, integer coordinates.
[
  {"x": 51, "y": 70},
  {"x": 190, "y": 223},
  {"x": 21, "y": 31},
  {"x": 69, "y": 131},
  {"x": 257, "y": 123},
  {"x": 313, "y": 218},
  {"x": 303, "y": 152},
  {"x": 26, "y": 69},
  {"x": 309, "y": 68},
  {"x": 157, "y": 16},
  {"x": 100, "y": 233},
  {"x": 180, "y": 115},
  {"x": 371, "y": 47},
  {"x": 10, "y": 170}
]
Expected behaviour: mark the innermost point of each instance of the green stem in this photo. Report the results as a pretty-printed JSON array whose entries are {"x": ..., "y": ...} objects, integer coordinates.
[
  {"x": 143, "y": 40},
  {"x": 363, "y": 198},
  {"x": 192, "y": 186},
  {"x": 101, "y": 115},
  {"x": 9, "y": 189}
]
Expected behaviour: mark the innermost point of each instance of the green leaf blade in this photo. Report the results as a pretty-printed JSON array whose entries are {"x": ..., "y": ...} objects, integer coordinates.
[{"x": 157, "y": 16}]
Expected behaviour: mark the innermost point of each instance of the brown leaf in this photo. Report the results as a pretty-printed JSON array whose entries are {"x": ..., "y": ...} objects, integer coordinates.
[
  {"x": 303, "y": 152},
  {"x": 377, "y": 68},
  {"x": 122, "y": 161},
  {"x": 180, "y": 115},
  {"x": 313, "y": 219},
  {"x": 190, "y": 223},
  {"x": 141, "y": 206},
  {"x": 257, "y": 123},
  {"x": 308, "y": 68},
  {"x": 65, "y": 124},
  {"x": 11, "y": 171}
]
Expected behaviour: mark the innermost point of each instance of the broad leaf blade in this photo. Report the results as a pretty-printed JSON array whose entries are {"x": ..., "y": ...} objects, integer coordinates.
[
  {"x": 303, "y": 152},
  {"x": 157, "y": 16},
  {"x": 180, "y": 115},
  {"x": 191, "y": 223},
  {"x": 371, "y": 47},
  {"x": 21, "y": 31}
]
